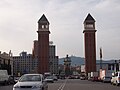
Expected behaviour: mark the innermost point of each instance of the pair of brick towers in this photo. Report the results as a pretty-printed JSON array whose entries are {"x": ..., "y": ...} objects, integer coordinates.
[{"x": 89, "y": 44}]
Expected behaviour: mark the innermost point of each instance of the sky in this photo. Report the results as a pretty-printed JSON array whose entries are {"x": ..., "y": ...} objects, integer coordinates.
[{"x": 18, "y": 25}]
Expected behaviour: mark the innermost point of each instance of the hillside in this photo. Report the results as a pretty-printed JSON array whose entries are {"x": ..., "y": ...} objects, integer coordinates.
[{"x": 79, "y": 61}]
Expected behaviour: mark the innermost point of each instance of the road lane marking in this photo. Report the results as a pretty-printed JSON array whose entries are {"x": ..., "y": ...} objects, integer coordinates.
[{"x": 62, "y": 85}]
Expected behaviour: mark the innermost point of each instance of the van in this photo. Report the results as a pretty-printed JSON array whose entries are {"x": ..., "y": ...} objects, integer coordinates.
[{"x": 4, "y": 77}]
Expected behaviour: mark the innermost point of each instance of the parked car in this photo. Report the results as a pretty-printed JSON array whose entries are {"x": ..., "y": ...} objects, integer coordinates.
[
  {"x": 106, "y": 79},
  {"x": 11, "y": 80},
  {"x": 73, "y": 77},
  {"x": 31, "y": 82},
  {"x": 94, "y": 76},
  {"x": 55, "y": 78},
  {"x": 82, "y": 77},
  {"x": 49, "y": 79},
  {"x": 115, "y": 78}
]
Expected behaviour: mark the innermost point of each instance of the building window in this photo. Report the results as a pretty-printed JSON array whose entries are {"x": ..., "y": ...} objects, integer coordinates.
[{"x": 109, "y": 66}]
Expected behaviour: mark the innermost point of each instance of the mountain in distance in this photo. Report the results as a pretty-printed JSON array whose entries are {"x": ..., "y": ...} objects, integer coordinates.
[{"x": 77, "y": 61}]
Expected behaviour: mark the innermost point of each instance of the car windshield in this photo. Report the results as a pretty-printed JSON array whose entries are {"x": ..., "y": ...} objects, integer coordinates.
[{"x": 25, "y": 78}]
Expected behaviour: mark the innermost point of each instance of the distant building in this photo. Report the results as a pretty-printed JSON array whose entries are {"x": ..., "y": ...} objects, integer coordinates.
[
  {"x": 53, "y": 59},
  {"x": 6, "y": 62},
  {"x": 116, "y": 65},
  {"x": 90, "y": 44},
  {"x": 35, "y": 49},
  {"x": 24, "y": 63},
  {"x": 106, "y": 66}
]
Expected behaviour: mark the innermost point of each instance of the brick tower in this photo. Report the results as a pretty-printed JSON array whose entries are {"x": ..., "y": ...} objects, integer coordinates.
[
  {"x": 67, "y": 65},
  {"x": 43, "y": 45},
  {"x": 90, "y": 44}
]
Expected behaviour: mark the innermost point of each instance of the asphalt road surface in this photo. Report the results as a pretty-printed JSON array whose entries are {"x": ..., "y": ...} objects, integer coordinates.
[{"x": 74, "y": 84}]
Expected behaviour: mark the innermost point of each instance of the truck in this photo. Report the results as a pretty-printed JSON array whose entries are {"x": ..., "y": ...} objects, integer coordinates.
[
  {"x": 105, "y": 75},
  {"x": 94, "y": 76},
  {"x": 4, "y": 77}
]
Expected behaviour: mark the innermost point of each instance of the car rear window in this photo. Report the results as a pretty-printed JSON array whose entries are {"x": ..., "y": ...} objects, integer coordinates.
[{"x": 25, "y": 78}]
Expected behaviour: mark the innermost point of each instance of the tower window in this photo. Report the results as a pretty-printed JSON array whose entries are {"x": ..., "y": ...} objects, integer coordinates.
[
  {"x": 42, "y": 26},
  {"x": 89, "y": 25},
  {"x": 46, "y": 26}
]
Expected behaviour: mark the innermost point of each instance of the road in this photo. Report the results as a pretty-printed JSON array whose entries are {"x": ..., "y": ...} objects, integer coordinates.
[{"x": 74, "y": 84}]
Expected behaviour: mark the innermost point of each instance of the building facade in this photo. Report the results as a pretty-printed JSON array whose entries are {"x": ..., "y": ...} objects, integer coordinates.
[
  {"x": 53, "y": 59},
  {"x": 90, "y": 44},
  {"x": 24, "y": 63},
  {"x": 6, "y": 62},
  {"x": 105, "y": 66},
  {"x": 35, "y": 49},
  {"x": 43, "y": 45}
]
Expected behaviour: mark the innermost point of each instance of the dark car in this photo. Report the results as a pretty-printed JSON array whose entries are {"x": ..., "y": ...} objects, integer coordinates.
[{"x": 11, "y": 80}]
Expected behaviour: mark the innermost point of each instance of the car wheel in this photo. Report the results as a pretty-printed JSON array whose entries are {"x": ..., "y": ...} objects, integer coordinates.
[
  {"x": 117, "y": 83},
  {"x": 42, "y": 88},
  {"x": 5, "y": 83},
  {"x": 103, "y": 81}
]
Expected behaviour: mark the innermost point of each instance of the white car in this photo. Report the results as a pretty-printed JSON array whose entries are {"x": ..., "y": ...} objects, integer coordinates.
[
  {"x": 49, "y": 79},
  {"x": 31, "y": 82}
]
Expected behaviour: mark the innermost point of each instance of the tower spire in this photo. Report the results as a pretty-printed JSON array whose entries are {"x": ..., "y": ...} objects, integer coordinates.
[
  {"x": 89, "y": 18},
  {"x": 43, "y": 19},
  {"x": 89, "y": 23}
]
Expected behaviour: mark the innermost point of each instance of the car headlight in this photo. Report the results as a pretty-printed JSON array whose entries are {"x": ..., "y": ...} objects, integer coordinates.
[{"x": 16, "y": 86}]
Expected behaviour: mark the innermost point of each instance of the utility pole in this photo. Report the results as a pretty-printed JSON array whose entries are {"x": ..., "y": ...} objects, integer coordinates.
[
  {"x": 119, "y": 64},
  {"x": 115, "y": 65},
  {"x": 100, "y": 58}
]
